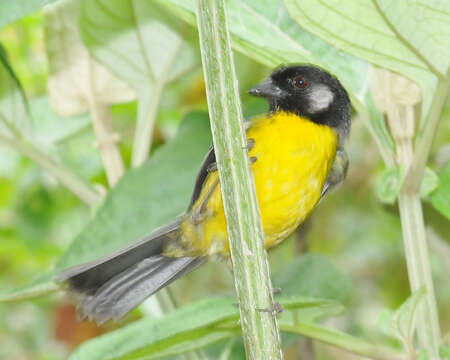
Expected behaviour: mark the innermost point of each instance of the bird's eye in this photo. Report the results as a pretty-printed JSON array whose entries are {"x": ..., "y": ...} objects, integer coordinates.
[{"x": 300, "y": 82}]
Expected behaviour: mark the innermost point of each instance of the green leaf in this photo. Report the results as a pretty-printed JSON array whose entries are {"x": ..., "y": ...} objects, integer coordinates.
[
  {"x": 76, "y": 81},
  {"x": 430, "y": 182},
  {"x": 132, "y": 209},
  {"x": 14, "y": 119},
  {"x": 14, "y": 10},
  {"x": 364, "y": 30},
  {"x": 403, "y": 320},
  {"x": 320, "y": 278},
  {"x": 425, "y": 26},
  {"x": 440, "y": 198},
  {"x": 136, "y": 40},
  {"x": 195, "y": 325},
  {"x": 389, "y": 185}
]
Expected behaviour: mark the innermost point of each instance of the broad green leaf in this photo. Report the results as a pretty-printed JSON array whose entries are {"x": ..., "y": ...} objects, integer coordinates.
[
  {"x": 440, "y": 198},
  {"x": 136, "y": 40},
  {"x": 425, "y": 25},
  {"x": 199, "y": 324},
  {"x": 15, "y": 10},
  {"x": 14, "y": 119},
  {"x": 389, "y": 185},
  {"x": 132, "y": 209},
  {"x": 76, "y": 80},
  {"x": 360, "y": 28}
]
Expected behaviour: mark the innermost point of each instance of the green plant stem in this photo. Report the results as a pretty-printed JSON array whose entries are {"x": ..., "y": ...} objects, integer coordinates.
[
  {"x": 419, "y": 270},
  {"x": 411, "y": 216},
  {"x": 106, "y": 139},
  {"x": 342, "y": 341},
  {"x": 62, "y": 174},
  {"x": 416, "y": 170},
  {"x": 249, "y": 259},
  {"x": 149, "y": 99}
]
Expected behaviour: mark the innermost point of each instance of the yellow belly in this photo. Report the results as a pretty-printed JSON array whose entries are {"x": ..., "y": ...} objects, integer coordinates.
[{"x": 294, "y": 157}]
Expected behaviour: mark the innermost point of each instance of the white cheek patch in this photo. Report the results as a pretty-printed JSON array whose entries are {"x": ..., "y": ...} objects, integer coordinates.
[{"x": 320, "y": 97}]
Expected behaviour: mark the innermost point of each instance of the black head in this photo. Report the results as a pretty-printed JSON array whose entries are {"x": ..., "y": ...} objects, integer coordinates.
[{"x": 308, "y": 91}]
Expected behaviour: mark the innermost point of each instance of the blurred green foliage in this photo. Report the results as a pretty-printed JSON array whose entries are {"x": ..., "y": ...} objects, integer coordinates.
[{"x": 39, "y": 218}]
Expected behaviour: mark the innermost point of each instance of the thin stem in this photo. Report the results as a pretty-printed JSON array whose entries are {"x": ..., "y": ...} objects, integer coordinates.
[
  {"x": 62, "y": 174},
  {"x": 416, "y": 170},
  {"x": 246, "y": 238},
  {"x": 106, "y": 139},
  {"x": 149, "y": 99},
  {"x": 342, "y": 341},
  {"x": 419, "y": 271}
]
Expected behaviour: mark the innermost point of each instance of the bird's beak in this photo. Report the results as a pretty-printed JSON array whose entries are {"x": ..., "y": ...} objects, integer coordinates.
[{"x": 267, "y": 89}]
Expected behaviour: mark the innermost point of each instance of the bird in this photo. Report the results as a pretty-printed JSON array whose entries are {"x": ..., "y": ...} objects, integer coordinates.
[{"x": 296, "y": 152}]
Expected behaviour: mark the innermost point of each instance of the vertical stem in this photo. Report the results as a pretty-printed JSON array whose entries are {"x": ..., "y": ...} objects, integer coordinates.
[
  {"x": 149, "y": 98},
  {"x": 106, "y": 139},
  {"x": 249, "y": 259},
  {"x": 419, "y": 271},
  {"x": 106, "y": 142},
  {"x": 401, "y": 120}
]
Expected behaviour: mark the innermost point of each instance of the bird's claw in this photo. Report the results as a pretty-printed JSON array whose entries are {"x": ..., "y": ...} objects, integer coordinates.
[
  {"x": 275, "y": 309},
  {"x": 250, "y": 144}
]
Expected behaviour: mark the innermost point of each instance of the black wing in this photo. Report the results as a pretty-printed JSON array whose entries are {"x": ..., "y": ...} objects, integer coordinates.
[{"x": 207, "y": 163}]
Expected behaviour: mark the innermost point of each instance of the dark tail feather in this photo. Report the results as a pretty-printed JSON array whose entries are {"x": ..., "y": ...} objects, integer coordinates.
[{"x": 110, "y": 287}]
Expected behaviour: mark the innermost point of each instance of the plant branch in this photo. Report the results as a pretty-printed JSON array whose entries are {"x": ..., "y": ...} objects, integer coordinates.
[
  {"x": 249, "y": 259},
  {"x": 342, "y": 341},
  {"x": 149, "y": 99},
  {"x": 419, "y": 270},
  {"x": 400, "y": 116},
  {"x": 62, "y": 174},
  {"x": 106, "y": 139},
  {"x": 416, "y": 170}
]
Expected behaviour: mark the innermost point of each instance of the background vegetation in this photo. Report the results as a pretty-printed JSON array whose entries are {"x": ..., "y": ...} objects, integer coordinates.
[{"x": 89, "y": 90}]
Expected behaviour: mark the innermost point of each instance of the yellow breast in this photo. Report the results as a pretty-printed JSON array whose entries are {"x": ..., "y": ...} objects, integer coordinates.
[{"x": 294, "y": 156}]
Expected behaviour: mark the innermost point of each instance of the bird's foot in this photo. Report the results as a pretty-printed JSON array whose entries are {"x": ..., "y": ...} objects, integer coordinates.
[{"x": 275, "y": 309}]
